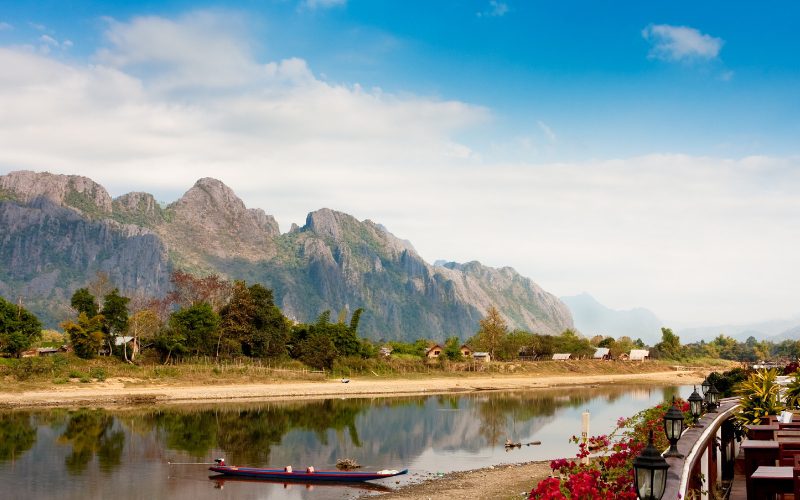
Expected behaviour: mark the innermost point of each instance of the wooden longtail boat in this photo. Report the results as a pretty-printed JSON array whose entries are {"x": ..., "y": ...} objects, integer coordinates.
[{"x": 310, "y": 474}]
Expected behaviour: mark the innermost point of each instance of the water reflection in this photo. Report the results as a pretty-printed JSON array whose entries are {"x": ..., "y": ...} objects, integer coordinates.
[
  {"x": 17, "y": 435},
  {"x": 91, "y": 433},
  {"x": 113, "y": 452}
]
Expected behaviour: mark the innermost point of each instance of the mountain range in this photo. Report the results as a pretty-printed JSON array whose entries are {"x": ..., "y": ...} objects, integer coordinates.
[{"x": 58, "y": 231}]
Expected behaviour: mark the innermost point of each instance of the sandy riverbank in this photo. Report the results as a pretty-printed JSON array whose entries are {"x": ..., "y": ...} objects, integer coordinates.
[
  {"x": 114, "y": 392},
  {"x": 500, "y": 482}
]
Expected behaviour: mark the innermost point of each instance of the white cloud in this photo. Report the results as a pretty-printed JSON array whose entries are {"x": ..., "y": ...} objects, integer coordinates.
[
  {"x": 547, "y": 131},
  {"x": 48, "y": 40},
  {"x": 677, "y": 43},
  {"x": 690, "y": 237},
  {"x": 323, "y": 4},
  {"x": 495, "y": 8}
]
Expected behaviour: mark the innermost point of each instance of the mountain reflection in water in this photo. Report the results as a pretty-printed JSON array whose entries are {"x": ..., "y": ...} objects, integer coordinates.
[{"x": 96, "y": 453}]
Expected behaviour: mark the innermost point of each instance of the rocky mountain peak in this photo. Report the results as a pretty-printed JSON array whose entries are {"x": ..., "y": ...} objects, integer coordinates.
[
  {"x": 74, "y": 191},
  {"x": 328, "y": 223},
  {"x": 214, "y": 221}
]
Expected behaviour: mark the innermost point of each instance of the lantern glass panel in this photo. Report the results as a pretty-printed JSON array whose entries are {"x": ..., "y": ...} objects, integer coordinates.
[
  {"x": 644, "y": 482},
  {"x": 659, "y": 482},
  {"x": 695, "y": 408},
  {"x": 675, "y": 427},
  {"x": 704, "y": 386}
]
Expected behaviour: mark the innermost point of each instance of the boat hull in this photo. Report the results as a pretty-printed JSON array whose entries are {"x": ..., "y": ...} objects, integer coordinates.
[{"x": 322, "y": 475}]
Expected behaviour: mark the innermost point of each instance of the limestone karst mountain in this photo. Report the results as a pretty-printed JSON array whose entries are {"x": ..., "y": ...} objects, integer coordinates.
[{"x": 57, "y": 231}]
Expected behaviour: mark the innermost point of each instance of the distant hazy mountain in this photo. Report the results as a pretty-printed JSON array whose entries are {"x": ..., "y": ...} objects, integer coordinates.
[
  {"x": 593, "y": 318},
  {"x": 57, "y": 231},
  {"x": 775, "y": 330}
]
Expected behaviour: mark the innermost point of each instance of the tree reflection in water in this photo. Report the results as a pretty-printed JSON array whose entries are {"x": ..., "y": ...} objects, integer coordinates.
[
  {"x": 250, "y": 433},
  {"x": 91, "y": 433},
  {"x": 17, "y": 435}
]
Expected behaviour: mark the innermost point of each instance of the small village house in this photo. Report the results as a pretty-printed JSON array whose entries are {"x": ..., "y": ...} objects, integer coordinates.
[
  {"x": 639, "y": 355},
  {"x": 602, "y": 353},
  {"x": 434, "y": 351},
  {"x": 466, "y": 351},
  {"x": 561, "y": 356}
]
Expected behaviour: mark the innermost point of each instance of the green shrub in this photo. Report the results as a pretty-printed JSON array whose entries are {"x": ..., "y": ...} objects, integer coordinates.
[
  {"x": 75, "y": 374},
  {"x": 60, "y": 380},
  {"x": 97, "y": 373},
  {"x": 85, "y": 380}
]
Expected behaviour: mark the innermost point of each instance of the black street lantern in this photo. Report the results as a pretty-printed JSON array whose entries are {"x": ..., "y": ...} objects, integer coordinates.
[
  {"x": 713, "y": 398},
  {"x": 650, "y": 473},
  {"x": 673, "y": 428},
  {"x": 704, "y": 386},
  {"x": 696, "y": 405}
]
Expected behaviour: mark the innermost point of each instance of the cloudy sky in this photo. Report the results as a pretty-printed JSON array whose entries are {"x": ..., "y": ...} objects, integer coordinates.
[{"x": 645, "y": 152}]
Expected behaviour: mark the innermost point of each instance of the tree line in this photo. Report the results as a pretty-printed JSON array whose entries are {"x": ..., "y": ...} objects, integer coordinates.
[{"x": 212, "y": 317}]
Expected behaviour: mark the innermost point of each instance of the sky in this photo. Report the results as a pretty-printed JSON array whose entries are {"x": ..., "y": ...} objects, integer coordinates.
[{"x": 644, "y": 152}]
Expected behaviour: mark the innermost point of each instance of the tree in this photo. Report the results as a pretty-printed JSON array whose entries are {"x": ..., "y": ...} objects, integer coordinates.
[
  {"x": 670, "y": 345},
  {"x": 194, "y": 329},
  {"x": 569, "y": 341},
  {"x": 452, "y": 349},
  {"x": 236, "y": 319},
  {"x": 85, "y": 335},
  {"x": 84, "y": 302},
  {"x": 515, "y": 343},
  {"x": 115, "y": 316},
  {"x": 492, "y": 331},
  {"x": 271, "y": 328},
  {"x": 189, "y": 290},
  {"x": 18, "y": 328},
  {"x": 143, "y": 324},
  {"x": 318, "y": 351}
]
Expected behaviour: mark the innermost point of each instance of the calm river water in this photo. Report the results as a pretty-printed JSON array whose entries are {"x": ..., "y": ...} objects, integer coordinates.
[{"x": 108, "y": 454}]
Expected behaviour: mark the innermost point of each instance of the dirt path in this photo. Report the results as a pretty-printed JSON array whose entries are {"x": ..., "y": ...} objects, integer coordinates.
[{"x": 122, "y": 392}]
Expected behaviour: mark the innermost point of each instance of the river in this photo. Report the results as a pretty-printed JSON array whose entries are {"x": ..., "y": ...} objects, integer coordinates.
[{"x": 124, "y": 454}]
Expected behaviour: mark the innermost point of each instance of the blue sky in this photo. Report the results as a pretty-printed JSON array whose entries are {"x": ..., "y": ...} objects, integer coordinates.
[
  {"x": 645, "y": 152},
  {"x": 582, "y": 68}
]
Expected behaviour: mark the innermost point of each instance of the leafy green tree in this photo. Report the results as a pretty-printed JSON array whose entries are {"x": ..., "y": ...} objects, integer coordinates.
[
  {"x": 236, "y": 320},
  {"x": 516, "y": 342},
  {"x": 452, "y": 349},
  {"x": 85, "y": 335},
  {"x": 115, "y": 313},
  {"x": 607, "y": 342},
  {"x": 271, "y": 328},
  {"x": 84, "y": 302},
  {"x": 18, "y": 328},
  {"x": 318, "y": 351},
  {"x": 670, "y": 345},
  {"x": 194, "y": 329},
  {"x": 491, "y": 333},
  {"x": 569, "y": 341}
]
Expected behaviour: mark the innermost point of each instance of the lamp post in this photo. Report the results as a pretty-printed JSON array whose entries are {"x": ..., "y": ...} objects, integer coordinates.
[
  {"x": 712, "y": 399},
  {"x": 696, "y": 406},
  {"x": 673, "y": 428},
  {"x": 650, "y": 473}
]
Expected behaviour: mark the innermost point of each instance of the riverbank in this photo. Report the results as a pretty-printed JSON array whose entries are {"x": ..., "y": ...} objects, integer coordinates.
[
  {"x": 127, "y": 392},
  {"x": 500, "y": 482}
]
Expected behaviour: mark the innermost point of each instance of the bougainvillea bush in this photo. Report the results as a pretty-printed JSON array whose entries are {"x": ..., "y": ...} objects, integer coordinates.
[{"x": 603, "y": 466}]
